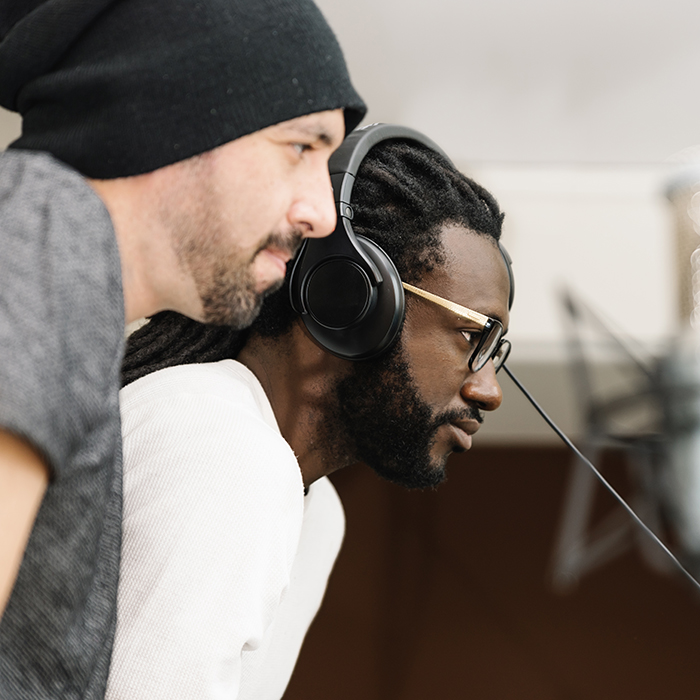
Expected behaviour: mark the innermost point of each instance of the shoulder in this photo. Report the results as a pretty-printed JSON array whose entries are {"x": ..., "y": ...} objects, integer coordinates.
[
  {"x": 49, "y": 207},
  {"x": 324, "y": 522},
  {"x": 34, "y": 176},
  {"x": 61, "y": 304},
  {"x": 227, "y": 383},
  {"x": 34, "y": 169},
  {"x": 323, "y": 502},
  {"x": 39, "y": 163},
  {"x": 213, "y": 512},
  {"x": 200, "y": 456},
  {"x": 56, "y": 226},
  {"x": 213, "y": 417}
]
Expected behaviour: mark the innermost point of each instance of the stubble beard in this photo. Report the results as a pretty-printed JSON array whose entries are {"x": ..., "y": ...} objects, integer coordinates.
[
  {"x": 228, "y": 289},
  {"x": 206, "y": 250}
]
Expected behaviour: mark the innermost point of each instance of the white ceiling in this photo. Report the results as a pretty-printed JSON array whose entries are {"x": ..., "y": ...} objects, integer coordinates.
[
  {"x": 526, "y": 81},
  {"x": 600, "y": 81}
]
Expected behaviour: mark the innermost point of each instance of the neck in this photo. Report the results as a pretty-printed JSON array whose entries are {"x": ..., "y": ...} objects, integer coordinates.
[
  {"x": 298, "y": 378},
  {"x": 152, "y": 278}
]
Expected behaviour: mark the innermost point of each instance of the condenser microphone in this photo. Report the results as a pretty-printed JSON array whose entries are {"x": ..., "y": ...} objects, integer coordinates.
[{"x": 602, "y": 479}]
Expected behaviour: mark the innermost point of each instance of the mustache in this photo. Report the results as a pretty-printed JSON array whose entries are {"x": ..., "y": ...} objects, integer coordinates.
[
  {"x": 285, "y": 242},
  {"x": 467, "y": 413}
]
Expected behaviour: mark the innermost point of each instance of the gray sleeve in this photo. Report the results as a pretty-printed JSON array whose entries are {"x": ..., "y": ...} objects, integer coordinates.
[{"x": 61, "y": 303}]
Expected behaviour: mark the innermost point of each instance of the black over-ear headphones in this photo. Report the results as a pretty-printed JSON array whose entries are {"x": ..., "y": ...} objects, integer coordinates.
[{"x": 345, "y": 287}]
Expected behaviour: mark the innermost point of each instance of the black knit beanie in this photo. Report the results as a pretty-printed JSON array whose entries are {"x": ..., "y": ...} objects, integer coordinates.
[{"x": 122, "y": 87}]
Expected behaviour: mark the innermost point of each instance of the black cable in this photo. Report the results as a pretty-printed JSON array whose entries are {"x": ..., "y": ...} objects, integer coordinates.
[{"x": 603, "y": 480}]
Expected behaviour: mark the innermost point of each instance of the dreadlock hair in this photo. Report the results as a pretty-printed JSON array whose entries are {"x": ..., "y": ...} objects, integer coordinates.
[{"x": 404, "y": 195}]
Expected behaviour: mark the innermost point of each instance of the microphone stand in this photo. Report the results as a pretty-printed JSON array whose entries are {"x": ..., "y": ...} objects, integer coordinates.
[{"x": 602, "y": 479}]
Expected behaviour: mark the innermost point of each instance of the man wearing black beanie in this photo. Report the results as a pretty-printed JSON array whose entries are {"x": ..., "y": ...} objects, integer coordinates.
[{"x": 173, "y": 155}]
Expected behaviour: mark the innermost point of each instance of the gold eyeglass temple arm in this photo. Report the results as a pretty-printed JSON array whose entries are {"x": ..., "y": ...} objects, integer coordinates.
[{"x": 462, "y": 311}]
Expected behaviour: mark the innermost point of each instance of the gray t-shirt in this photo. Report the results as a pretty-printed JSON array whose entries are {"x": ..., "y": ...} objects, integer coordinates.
[{"x": 61, "y": 345}]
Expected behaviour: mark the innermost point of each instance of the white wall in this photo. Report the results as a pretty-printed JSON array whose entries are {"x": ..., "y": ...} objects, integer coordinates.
[
  {"x": 604, "y": 231},
  {"x": 10, "y": 127}
]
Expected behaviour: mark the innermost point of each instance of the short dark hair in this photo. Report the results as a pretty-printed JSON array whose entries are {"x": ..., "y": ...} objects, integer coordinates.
[{"x": 404, "y": 195}]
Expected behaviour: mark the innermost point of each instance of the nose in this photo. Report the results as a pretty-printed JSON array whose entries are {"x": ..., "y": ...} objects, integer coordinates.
[
  {"x": 313, "y": 212},
  {"x": 482, "y": 388}
]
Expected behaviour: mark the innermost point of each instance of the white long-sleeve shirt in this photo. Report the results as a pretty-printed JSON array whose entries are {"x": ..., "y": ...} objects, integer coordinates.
[{"x": 224, "y": 561}]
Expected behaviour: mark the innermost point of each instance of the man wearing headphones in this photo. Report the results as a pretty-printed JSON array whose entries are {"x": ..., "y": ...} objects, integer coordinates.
[
  {"x": 173, "y": 156},
  {"x": 230, "y": 524}
]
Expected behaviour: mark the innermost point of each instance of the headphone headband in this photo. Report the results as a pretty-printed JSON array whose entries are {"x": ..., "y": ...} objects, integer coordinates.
[{"x": 350, "y": 154}]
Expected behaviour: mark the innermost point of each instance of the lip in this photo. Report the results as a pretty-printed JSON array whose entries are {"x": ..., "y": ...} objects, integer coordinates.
[
  {"x": 275, "y": 260},
  {"x": 281, "y": 257},
  {"x": 463, "y": 431}
]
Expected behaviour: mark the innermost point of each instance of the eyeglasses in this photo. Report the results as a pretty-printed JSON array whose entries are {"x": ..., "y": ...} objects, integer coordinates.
[{"x": 491, "y": 344}]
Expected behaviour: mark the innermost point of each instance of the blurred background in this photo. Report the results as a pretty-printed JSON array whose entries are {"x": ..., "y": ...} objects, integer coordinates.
[{"x": 520, "y": 578}]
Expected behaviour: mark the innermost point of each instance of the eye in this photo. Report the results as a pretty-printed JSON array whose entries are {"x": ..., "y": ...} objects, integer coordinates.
[
  {"x": 301, "y": 148},
  {"x": 472, "y": 337}
]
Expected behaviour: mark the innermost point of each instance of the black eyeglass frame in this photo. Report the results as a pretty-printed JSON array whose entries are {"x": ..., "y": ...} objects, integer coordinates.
[{"x": 497, "y": 347}]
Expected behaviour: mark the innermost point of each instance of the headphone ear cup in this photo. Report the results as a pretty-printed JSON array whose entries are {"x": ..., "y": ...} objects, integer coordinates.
[
  {"x": 346, "y": 314},
  {"x": 338, "y": 293}
]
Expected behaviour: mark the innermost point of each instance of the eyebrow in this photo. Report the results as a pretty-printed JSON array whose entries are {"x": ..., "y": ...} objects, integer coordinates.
[{"x": 315, "y": 131}]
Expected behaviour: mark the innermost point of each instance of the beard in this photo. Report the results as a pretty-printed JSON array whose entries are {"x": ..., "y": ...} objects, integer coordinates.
[
  {"x": 386, "y": 424},
  {"x": 227, "y": 287},
  {"x": 222, "y": 274}
]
